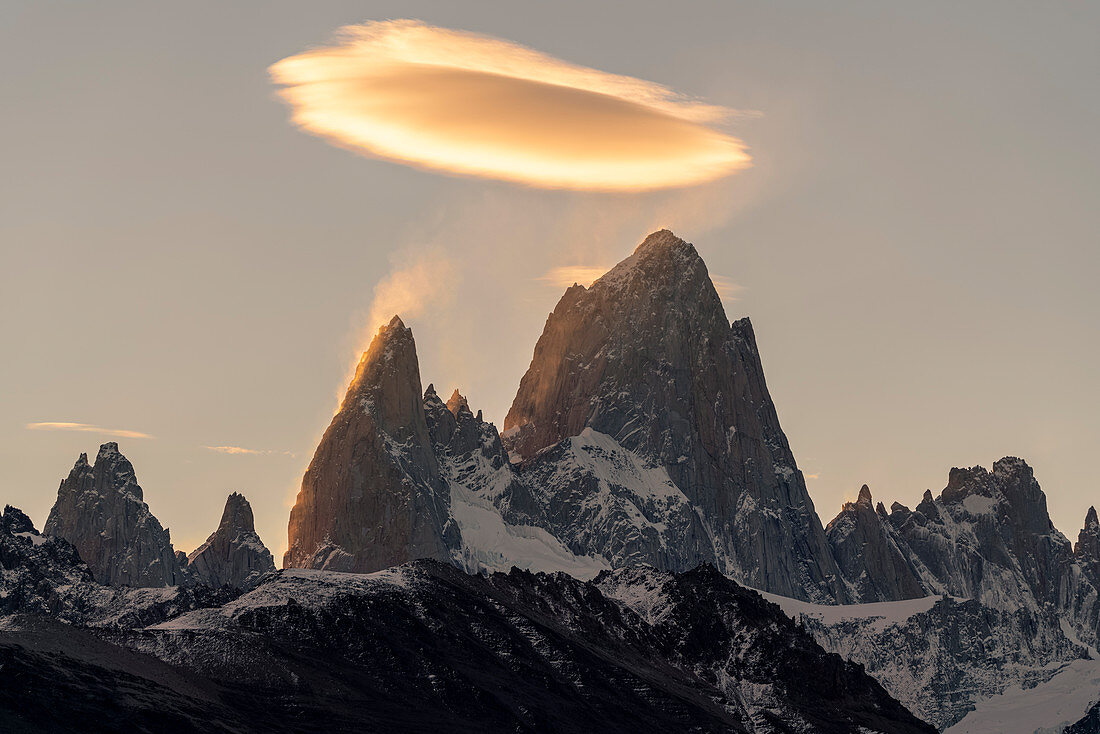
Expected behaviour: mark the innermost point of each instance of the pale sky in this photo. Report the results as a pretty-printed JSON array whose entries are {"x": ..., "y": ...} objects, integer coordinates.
[{"x": 916, "y": 242}]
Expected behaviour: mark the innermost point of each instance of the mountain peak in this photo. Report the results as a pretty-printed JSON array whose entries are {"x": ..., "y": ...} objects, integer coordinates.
[
  {"x": 372, "y": 496},
  {"x": 864, "y": 496},
  {"x": 647, "y": 357},
  {"x": 661, "y": 240},
  {"x": 233, "y": 555},
  {"x": 101, "y": 511},
  {"x": 457, "y": 402},
  {"x": 1090, "y": 518},
  {"x": 390, "y": 359},
  {"x": 237, "y": 513}
]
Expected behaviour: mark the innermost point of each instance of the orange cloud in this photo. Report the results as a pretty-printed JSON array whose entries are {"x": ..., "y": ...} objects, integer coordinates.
[
  {"x": 87, "y": 428},
  {"x": 467, "y": 104}
]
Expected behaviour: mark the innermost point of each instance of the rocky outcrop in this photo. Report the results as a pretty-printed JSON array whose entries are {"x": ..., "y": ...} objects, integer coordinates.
[
  {"x": 870, "y": 555},
  {"x": 647, "y": 357},
  {"x": 100, "y": 510},
  {"x": 373, "y": 496},
  {"x": 233, "y": 555},
  {"x": 1087, "y": 549}
]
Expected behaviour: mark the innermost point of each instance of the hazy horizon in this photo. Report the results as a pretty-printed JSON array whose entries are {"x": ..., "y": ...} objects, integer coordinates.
[{"x": 188, "y": 274}]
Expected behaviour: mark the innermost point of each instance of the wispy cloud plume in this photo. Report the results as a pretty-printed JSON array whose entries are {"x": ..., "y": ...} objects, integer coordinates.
[
  {"x": 424, "y": 280},
  {"x": 728, "y": 291},
  {"x": 241, "y": 451},
  {"x": 86, "y": 428},
  {"x": 467, "y": 104},
  {"x": 566, "y": 275}
]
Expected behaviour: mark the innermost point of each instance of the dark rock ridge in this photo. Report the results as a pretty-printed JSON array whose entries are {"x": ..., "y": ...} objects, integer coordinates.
[
  {"x": 647, "y": 357},
  {"x": 1089, "y": 723},
  {"x": 310, "y": 651},
  {"x": 373, "y": 496},
  {"x": 101, "y": 511},
  {"x": 233, "y": 555}
]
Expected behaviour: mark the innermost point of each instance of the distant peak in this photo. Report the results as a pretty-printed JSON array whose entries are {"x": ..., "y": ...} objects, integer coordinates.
[
  {"x": 107, "y": 449},
  {"x": 430, "y": 390},
  {"x": 864, "y": 496},
  {"x": 395, "y": 322},
  {"x": 81, "y": 461},
  {"x": 662, "y": 238},
  {"x": 457, "y": 402},
  {"x": 1090, "y": 518},
  {"x": 237, "y": 513},
  {"x": 1011, "y": 465}
]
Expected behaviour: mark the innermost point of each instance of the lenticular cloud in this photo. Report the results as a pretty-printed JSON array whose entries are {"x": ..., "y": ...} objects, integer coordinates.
[{"x": 470, "y": 105}]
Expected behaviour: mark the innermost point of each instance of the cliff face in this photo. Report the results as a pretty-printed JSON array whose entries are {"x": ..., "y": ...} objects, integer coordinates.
[
  {"x": 101, "y": 511},
  {"x": 373, "y": 496},
  {"x": 233, "y": 555},
  {"x": 646, "y": 357}
]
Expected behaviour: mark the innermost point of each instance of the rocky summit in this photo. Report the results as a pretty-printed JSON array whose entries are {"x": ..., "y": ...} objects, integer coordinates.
[
  {"x": 100, "y": 509},
  {"x": 373, "y": 496},
  {"x": 647, "y": 357},
  {"x": 233, "y": 555}
]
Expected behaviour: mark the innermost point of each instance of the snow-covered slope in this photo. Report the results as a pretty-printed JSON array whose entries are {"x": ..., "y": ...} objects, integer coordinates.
[
  {"x": 1047, "y": 708},
  {"x": 942, "y": 656}
]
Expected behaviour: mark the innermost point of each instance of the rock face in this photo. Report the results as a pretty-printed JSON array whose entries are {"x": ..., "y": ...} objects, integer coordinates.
[
  {"x": 870, "y": 555},
  {"x": 101, "y": 511},
  {"x": 941, "y": 657},
  {"x": 647, "y": 357},
  {"x": 233, "y": 555},
  {"x": 373, "y": 496}
]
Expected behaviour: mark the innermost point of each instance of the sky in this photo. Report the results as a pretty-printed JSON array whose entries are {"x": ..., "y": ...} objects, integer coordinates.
[{"x": 189, "y": 271}]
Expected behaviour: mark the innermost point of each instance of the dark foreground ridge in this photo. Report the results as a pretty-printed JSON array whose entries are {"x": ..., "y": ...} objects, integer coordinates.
[{"x": 425, "y": 646}]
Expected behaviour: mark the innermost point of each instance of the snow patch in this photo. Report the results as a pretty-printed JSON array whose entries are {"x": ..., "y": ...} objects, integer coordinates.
[{"x": 491, "y": 544}]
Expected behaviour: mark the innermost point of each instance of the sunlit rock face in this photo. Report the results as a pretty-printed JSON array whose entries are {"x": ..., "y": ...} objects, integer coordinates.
[
  {"x": 233, "y": 555},
  {"x": 101, "y": 511},
  {"x": 373, "y": 496},
  {"x": 870, "y": 555},
  {"x": 647, "y": 357}
]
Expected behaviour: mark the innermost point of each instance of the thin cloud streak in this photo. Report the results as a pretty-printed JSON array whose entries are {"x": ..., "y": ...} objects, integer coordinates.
[
  {"x": 466, "y": 104},
  {"x": 239, "y": 451},
  {"x": 86, "y": 428}
]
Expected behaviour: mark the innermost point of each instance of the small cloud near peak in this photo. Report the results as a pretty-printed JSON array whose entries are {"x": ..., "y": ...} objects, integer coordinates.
[{"x": 86, "y": 428}]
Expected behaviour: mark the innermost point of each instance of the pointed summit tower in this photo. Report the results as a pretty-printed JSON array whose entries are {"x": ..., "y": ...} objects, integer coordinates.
[
  {"x": 373, "y": 496},
  {"x": 233, "y": 555},
  {"x": 101, "y": 510},
  {"x": 647, "y": 357}
]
